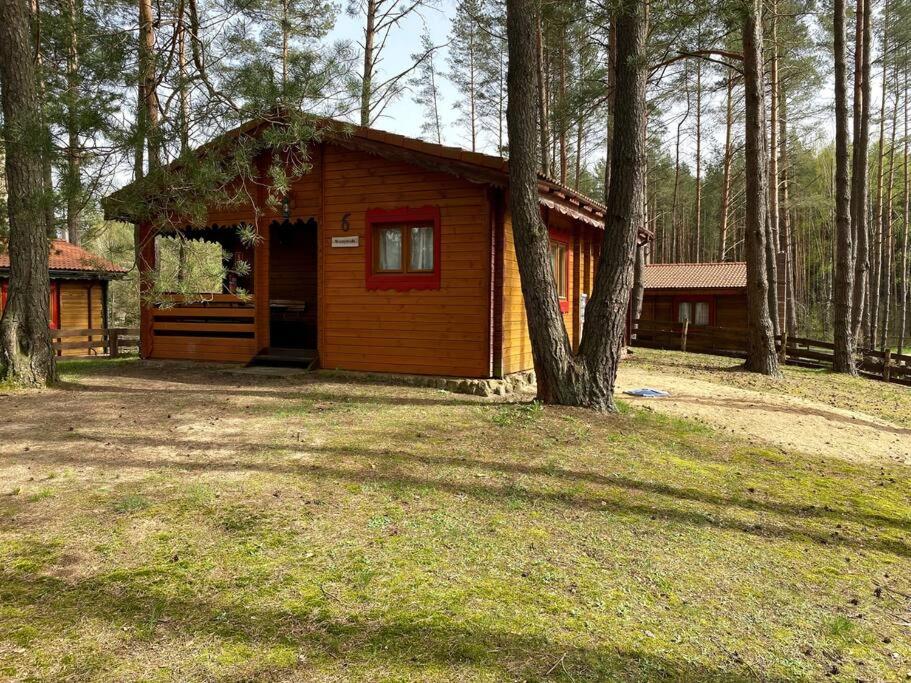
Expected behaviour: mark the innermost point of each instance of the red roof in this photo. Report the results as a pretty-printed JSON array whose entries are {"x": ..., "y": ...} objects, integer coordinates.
[
  {"x": 696, "y": 275},
  {"x": 68, "y": 257}
]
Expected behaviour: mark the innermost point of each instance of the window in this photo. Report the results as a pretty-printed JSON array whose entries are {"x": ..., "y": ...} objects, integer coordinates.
[
  {"x": 403, "y": 248},
  {"x": 684, "y": 312},
  {"x": 697, "y": 312},
  {"x": 559, "y": 253}
]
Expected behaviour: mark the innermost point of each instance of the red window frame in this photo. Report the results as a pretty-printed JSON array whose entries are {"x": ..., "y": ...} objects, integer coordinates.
[
  {"x": 565, "y": 242},
  {"x": 402, "y": 281}
]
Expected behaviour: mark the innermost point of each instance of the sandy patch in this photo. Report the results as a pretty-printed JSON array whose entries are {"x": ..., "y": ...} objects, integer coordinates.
[{"x": 789, "y": 422}]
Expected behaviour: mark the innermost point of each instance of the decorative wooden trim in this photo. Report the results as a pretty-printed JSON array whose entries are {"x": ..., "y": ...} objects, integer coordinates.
[{"x": 404, "y": 281}]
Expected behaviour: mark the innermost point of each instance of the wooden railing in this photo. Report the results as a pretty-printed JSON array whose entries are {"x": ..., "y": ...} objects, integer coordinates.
[
  {"x": 724, "y": 341},
  {"x": 95, "y": 342},
  {"x": 204, "y": 327}
]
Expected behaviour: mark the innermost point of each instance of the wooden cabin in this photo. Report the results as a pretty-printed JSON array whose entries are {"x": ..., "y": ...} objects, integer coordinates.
[
  {"x": 391, "y": 255},
  {"x": 79, "y": 288},
  {"x": 706, "y": 294}
]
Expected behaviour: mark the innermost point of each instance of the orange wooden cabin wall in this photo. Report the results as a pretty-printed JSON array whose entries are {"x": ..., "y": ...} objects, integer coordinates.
[
  {"x": 435, "y": 332},
  {"x": 447, "y": 331},
  {"x": 584, "y": 245}
]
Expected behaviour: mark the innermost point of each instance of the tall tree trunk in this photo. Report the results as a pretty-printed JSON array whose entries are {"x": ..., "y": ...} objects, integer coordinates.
[
  {"x": 564, "y": 156},
  {"x": 903, "y": 303},
  {"x": 543, "y": 113},
  {"x": 726, "y": 179},
  {"x": 772, "y": 244},
  {"x": 859, "y": 173},
  {"x": 47, "y": 174},
  {"x": 871, "y": 322},
  {"x": 697, "y": 241},
  {"x": 784, "y": 218},
  {"x": 844, "y": 250},
  {"x": 183, "y": 124},
  {"x": 679, "y": 240},
  {"x": 367, "y": 75},
  {"x": 25, "y": 345},
  {"x": 885, "y": 266},
  {"x": 73, "y": 171},
  {"x": 148, "y": 84},
  {"x": 761, "y": 355},
  {"x": 611, "y": 101},
  {"x": 587, "y": 379}
]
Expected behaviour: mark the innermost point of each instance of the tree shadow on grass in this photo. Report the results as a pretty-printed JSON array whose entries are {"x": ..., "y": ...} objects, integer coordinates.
[
  {"x": 399, "y": 640},
  {"x": 718, "y": 516}
]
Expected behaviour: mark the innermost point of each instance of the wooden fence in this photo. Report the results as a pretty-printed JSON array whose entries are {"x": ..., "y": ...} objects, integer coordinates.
[
  {"x": 95, "y": 342},
  {"x": 726, "y": 341}
]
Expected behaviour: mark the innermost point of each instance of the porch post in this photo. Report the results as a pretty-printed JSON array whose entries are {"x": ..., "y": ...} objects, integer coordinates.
[{"x": 145, "y": 262}]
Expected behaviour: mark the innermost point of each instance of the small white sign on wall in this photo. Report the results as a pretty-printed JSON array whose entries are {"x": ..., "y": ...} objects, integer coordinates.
[{"x": 352, "y": 241}]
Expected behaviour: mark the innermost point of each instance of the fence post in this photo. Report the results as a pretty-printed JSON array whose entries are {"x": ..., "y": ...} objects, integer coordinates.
[
  {"x": 887, "y": 365},
  {"x": 784, "y": 347},
  {"x": 113, "y": 344},
  {"x": 686, "y": 327}
]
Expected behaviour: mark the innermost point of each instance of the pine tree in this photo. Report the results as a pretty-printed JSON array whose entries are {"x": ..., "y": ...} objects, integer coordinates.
[{"x": 427, "y": 92}]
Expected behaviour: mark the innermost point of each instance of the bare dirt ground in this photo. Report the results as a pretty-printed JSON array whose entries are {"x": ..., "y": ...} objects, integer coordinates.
[{"x": 791, "y": 422}]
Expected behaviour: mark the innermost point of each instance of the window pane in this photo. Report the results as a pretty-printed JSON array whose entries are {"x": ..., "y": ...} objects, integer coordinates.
[
  {"x": 558, "y": 265},
  {"x": 683, "y": 312},
  {"x": 421, "y": 257},
  {"x": 702, "y": 313},
  {"x": 390, "y": 252}
]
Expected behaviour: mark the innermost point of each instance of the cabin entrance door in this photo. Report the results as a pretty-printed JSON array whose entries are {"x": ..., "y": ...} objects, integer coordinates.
[{"x": 293, "y": 287}]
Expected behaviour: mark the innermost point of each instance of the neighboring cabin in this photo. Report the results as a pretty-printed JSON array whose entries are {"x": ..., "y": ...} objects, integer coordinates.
[
  {"x": 79, "y": 288},
  {"x": 390, "y": 255},
  {"x": 712, "y": 294}
]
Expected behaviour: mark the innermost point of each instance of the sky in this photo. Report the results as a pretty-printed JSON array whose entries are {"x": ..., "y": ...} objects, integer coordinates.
[{"x": 405, "y": 117}]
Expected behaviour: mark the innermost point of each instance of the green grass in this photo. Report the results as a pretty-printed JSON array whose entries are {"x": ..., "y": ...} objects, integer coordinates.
[{"x": 213, "y": 528}]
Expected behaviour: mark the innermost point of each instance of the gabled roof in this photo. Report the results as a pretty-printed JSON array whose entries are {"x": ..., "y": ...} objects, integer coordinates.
[
  {"x": 725, "y": 275},
  {"x": 473, "y": 166},
  {"x": 69, "y": 258}
]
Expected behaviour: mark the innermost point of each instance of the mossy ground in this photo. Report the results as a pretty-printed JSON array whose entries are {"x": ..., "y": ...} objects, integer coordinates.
[{"x": 162, "y": 524}]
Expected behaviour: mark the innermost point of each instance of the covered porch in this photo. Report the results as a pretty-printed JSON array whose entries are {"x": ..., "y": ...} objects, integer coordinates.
[{"x": 258, "y": 304}]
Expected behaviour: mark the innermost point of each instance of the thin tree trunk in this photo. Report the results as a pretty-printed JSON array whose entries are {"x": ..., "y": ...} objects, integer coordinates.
[
  {"x": 47, "y": 175},
  {"x": 885, "y": 272},
  {"x": 844, "y": 268},
  {"x": 564, "y": 155},
  {"x": 772, "y": 244},
  {"x": 25, "y": 345},
  {"x": 73, "y": 171},
  {"x": 859, "y": 172},
  {"x": 611, "y": 101},
  {"x": 543, "y": 113},
  {"x": 184, "y": 125},
  {"x": 872, "y": 314},
  {"x": 679, "y": 240},
  {"x": 367, "y": 76},
  {"x": 697, "y": 242},
  {"x": 286, "y": 35},
  {"x": 784, "y": 219},
  {"x": 148, "y": 83},
  {"x": 903, "y": 304},
  {"x": 726, "y": 181},
  {"x": 761, "y": 355}
]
